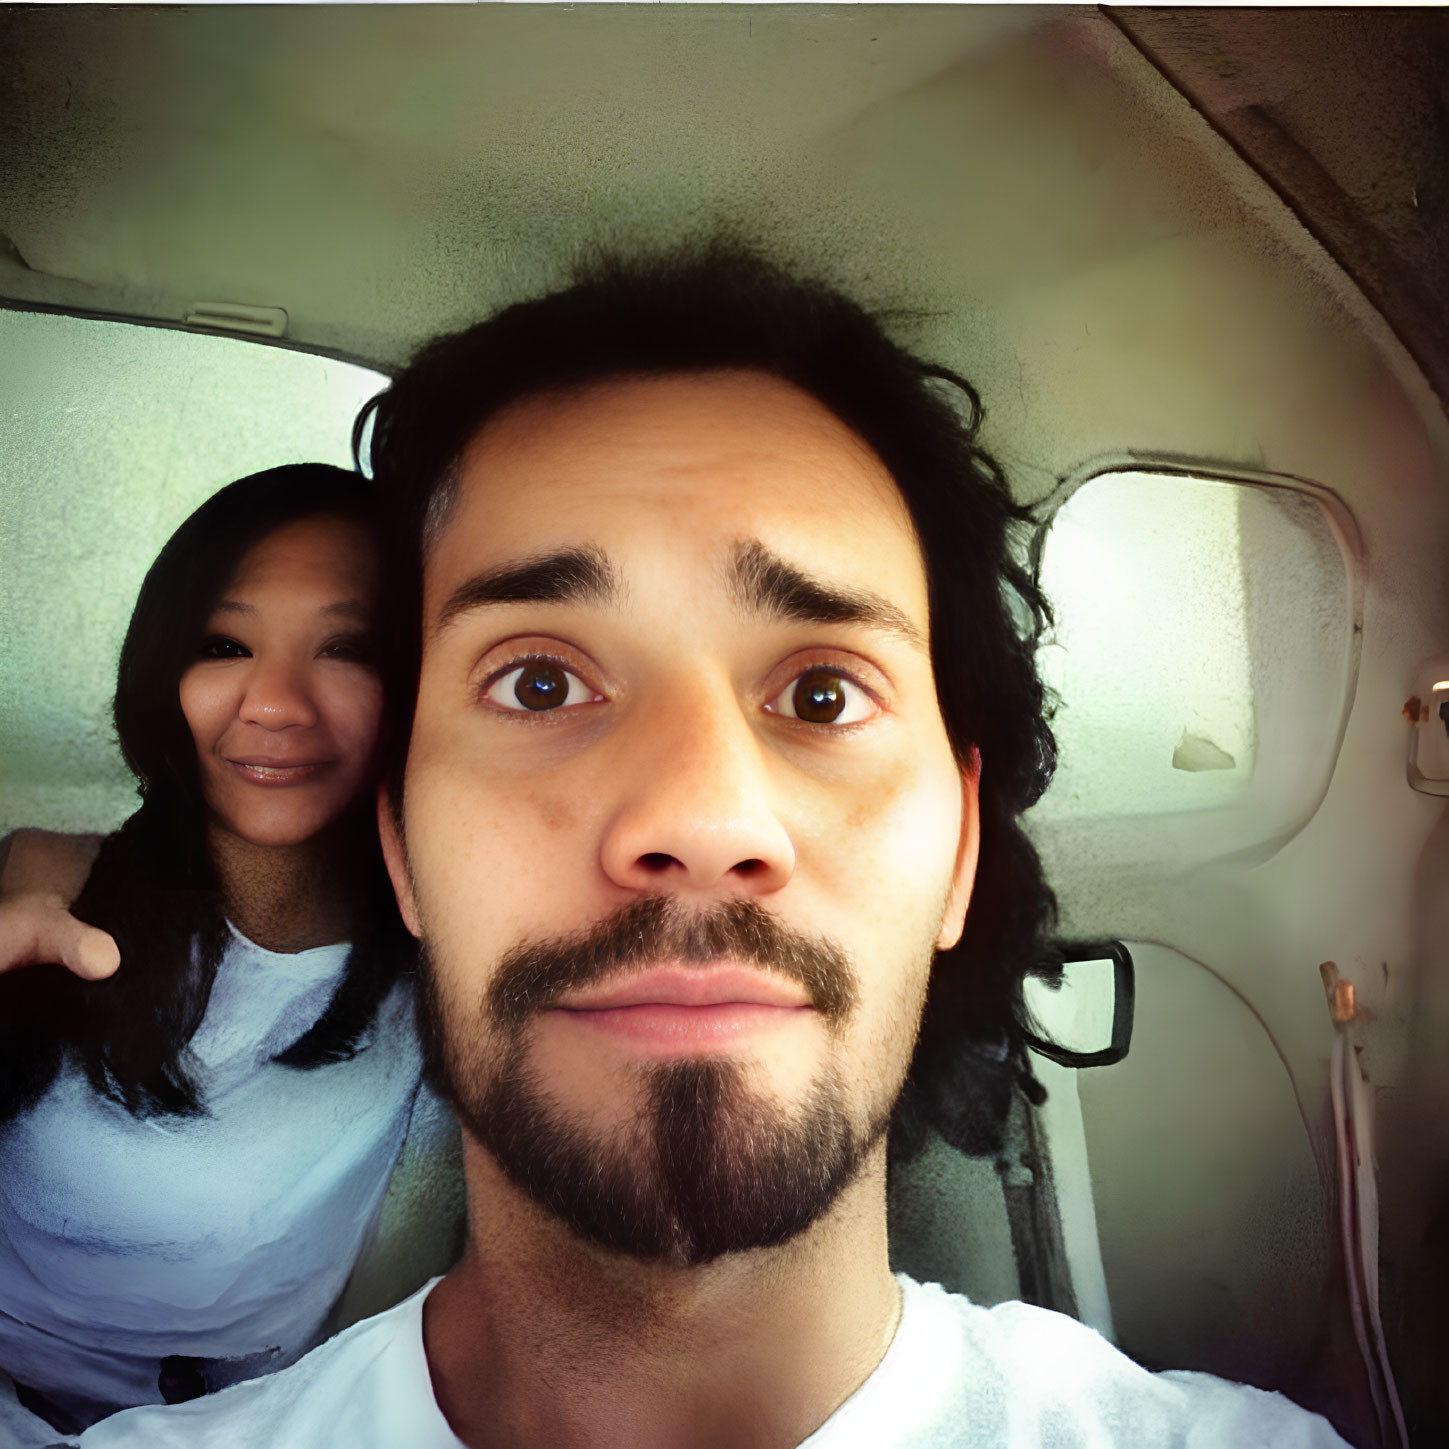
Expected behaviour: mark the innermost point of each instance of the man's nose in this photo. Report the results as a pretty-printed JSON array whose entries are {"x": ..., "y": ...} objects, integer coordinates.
[
  {"x": 696, "y": 809},
  {"x": 277, "y": 696}
]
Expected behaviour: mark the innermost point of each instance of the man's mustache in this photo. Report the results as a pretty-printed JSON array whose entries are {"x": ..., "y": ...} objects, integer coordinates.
[{"x": 534, "y": 975}]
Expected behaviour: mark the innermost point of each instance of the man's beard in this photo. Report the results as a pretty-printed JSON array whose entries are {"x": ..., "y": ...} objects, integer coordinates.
[{"x": 706, "y": 1166}]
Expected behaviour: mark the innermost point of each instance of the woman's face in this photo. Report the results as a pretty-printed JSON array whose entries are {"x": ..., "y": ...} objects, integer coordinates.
[{"x": 283, "y": 700}]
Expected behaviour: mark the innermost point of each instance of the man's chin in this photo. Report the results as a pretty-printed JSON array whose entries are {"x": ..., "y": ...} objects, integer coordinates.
[{"x": 706, "y": 1167}]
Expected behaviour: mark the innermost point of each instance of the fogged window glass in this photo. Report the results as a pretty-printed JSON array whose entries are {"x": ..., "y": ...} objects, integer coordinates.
[
  {"x": 110, "y": 435},
  {"x": 1204, "y": 650}
]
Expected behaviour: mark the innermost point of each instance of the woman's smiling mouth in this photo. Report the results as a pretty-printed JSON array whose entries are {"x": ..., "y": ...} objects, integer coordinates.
[{"x": 264, "y": 772}]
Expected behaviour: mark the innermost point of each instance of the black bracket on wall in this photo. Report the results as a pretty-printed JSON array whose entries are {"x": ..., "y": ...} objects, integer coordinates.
[{"x": 1123, "y": 997}]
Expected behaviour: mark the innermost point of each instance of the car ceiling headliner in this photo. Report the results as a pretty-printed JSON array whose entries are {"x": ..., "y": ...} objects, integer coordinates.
[{"x": 386, "y": 172}]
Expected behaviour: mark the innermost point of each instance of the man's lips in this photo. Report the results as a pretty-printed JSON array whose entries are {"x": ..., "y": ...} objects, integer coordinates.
[
  {"x": 672, "y": 1010},
  {"x": 724, "y": 984}
]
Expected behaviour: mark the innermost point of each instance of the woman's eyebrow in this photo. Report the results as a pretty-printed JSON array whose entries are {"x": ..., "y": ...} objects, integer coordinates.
[
  {"x": 764, "y": 583},
  {"x": 568, "y": 575},
  {"x": 349, "y": 609}
]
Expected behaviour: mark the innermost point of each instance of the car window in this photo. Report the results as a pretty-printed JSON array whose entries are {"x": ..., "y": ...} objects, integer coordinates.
[{"x": 1204, "y": 657}]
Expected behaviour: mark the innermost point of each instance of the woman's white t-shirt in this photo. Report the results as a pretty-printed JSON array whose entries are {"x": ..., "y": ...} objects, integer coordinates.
[{"x": 225, "y": 1237}]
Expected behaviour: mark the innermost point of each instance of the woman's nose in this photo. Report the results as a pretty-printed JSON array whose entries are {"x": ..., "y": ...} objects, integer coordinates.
[{"x": 277, "y": 696}]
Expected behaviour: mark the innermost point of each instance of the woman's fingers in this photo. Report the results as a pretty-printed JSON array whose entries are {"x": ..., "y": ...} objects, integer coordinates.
[{"x": 37, "y": 929}]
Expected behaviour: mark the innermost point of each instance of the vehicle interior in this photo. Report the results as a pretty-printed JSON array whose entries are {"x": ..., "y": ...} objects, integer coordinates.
[{"x": 1196, "y": 262}]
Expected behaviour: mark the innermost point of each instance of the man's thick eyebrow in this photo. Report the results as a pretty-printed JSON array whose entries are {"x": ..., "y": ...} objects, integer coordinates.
[
  {"x": 762, "y": 582},
  {"x": 570, "y": 575}
]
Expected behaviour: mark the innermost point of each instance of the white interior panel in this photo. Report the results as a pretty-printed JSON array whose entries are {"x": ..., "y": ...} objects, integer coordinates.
[{"x": 1214, "y": 1224}]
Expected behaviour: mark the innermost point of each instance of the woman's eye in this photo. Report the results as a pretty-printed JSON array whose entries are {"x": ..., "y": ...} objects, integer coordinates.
[
  {"x": 218, "y": 646},
  {"x": 823, "y": 696},
  {"x": 538, "y": 685},
  {"x": 353, "y": 649}
]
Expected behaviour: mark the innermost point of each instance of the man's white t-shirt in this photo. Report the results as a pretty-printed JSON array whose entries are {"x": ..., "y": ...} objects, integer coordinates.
[{"x": 955, "y": 1377}]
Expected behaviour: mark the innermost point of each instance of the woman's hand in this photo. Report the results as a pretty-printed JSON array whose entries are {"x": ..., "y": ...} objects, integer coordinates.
[{"x": 43, "y": 874}]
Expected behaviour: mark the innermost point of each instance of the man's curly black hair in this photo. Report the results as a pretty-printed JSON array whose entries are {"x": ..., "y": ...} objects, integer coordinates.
[{"x": 715, "y": 307}]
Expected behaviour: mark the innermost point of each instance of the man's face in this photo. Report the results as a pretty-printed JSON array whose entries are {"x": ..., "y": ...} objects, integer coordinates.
[{"x": 682, "y": 827}]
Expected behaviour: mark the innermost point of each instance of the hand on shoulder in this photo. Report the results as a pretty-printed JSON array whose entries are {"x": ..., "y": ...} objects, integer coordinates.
[
  {"x": 37, "y": 928},
  {"x": 43, "y": 874}
]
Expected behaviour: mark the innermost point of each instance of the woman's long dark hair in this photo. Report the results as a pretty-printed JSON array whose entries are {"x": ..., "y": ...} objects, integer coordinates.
[{"x": 154, "y": 886}]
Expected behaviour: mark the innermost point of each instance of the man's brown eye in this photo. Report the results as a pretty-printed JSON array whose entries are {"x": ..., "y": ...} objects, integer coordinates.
[
  {"x": 541, "y": 685},
  {"x": 819, "y": 698}
]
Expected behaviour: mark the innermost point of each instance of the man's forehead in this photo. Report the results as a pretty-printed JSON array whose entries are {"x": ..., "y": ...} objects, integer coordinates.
[
  {"x": 703, "y": 463},
  {"x": 741, "y": 401}
]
